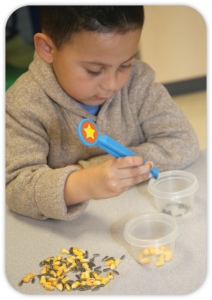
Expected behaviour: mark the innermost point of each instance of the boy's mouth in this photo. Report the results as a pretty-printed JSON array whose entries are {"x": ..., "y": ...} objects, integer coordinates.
[{"x": 99, "y": 98}]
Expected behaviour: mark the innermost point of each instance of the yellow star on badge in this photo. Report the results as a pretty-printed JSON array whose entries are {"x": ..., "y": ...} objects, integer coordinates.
[{"x": 89, "y": 131}]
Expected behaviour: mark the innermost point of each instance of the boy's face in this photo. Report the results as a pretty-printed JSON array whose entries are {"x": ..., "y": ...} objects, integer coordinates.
[{"x": 94, "y": 66}]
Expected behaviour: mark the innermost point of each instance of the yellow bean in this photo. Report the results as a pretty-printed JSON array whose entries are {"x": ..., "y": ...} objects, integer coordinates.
[
  {"x": 54, "y": 283},
  {"x": 159, "y": 263},
  {"x": 168, "y": 257},
  {"x": 67, "y": 286},
  {"x": 65, "y": 279},
  {"x": 110, "y": 274},
  {"x": 75, "y": 285},
  {"x": 140, "y": 256},
  {"x": 161, "y": 257},
  {"x": 105, "y": 281},
  {"x": 109, "y": 262},
  {"x": 31, "y": 275},
  {"x": 146, "y": 251},
  {"x": 100, "y": 278},
  {"x": 49, "y": 287},
  {"x": 144, "y": 261},
  {"x": 97, "y": 282},
  {"x": 152, "y": 250},
  {"x": 88, "y": 283},
  {"x": 25, "y": 279},
  {"x": 159, "y": 251},
  {"x": 66, "y": 270},
  {"x": 42, "y": 279},
  {"x": 64, "y": 251},
  {"x": 117, "y": 262},
  {"x": 59, "y": 286},
  {"x": 113, "y": 266}
]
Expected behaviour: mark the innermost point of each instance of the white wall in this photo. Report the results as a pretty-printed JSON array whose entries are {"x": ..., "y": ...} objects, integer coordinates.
[{"x": 173, "y": 42}]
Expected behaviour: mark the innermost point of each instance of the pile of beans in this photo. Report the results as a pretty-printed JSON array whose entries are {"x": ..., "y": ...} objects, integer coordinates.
[
  {"x": 55, "y": 270},
  {"x": 161, "y": 254}
]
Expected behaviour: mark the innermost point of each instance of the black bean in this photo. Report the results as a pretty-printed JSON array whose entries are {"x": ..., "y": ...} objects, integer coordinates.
[
  {"x": 42, "y": 263},
  {"x": 95, "y": 289},
  {"x": 33, "y": 280},
  {"x": 59, "y": 280},
  {"x": 20, "y": 283},
  {"x": 109, "y": 258},
  {"x": 70, "y": 282},
  {"x": 104, "y": 258},
  {"x": 73, "y": 270},
  {"x": 50, "y": 275},
  {"x": 92, "y": 259}
]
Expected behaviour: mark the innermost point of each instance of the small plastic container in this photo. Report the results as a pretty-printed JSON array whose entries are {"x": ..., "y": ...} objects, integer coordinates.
[
  {"x": 174, "y": 192},
  {"x": 152, "y": 237}
]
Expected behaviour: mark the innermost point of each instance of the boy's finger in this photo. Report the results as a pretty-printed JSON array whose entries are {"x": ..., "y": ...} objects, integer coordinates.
[
  {"x": 135, "y": 171},
  {"x": 128, "y": 182},
  {"x": 129, "y": 161}
]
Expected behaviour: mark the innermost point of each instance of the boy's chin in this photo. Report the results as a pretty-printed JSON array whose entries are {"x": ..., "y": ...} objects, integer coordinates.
[{"x": 93, "y": 101}]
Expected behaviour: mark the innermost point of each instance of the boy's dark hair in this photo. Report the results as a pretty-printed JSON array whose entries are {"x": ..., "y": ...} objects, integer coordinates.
[{"x": 61, "y": 22}]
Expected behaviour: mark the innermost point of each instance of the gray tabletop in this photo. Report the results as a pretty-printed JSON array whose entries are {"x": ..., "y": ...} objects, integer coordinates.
[{"x": 100, "y": 230}]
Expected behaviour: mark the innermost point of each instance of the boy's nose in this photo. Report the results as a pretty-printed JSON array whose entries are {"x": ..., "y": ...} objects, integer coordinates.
[{"x": 109, "y": 83}]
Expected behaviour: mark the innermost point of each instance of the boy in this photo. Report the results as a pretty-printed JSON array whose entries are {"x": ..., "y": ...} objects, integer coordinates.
[{"x": 84, "y": 67}]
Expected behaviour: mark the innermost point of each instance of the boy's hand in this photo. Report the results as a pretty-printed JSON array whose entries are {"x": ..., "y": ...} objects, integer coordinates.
[{"x": 106, "y": 180}]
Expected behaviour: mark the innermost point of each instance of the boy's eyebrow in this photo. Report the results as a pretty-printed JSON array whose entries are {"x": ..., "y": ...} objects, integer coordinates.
[{"x": 100, "y": 63}]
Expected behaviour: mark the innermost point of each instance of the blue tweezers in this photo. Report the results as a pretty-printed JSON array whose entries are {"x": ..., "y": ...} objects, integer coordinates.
[{"x": 109, "y": 145}]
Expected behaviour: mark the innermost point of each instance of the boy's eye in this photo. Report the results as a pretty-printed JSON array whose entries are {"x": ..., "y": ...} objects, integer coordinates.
[
  {"x": 93, "y": 73},
  {"x": 126, "y": 67}
]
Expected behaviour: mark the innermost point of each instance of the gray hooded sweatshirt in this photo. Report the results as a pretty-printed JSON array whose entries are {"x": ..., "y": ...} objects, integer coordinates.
[{"x": 42, "y": 139}]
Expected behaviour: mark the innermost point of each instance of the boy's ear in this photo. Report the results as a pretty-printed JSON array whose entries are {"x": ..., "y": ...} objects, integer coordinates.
[{"x": 44, "y": 47}]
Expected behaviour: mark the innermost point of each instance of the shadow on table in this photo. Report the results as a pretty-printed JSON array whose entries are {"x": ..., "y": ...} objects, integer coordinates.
[
  {"x": 117, "y": 231},
  {"x": 142, "y": 188}
]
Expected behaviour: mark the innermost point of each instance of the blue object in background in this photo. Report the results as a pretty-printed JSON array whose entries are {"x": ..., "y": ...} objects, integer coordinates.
[{"x": 106, "y": 143}]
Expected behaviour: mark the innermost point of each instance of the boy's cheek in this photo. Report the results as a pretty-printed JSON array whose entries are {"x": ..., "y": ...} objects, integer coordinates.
[{"x": 80, "y": 91}]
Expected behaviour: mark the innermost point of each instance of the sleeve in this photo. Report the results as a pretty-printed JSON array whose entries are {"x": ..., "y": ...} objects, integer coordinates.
[
  {"x": 170, "y": 140},
  {"x": 33, "y": 189}
]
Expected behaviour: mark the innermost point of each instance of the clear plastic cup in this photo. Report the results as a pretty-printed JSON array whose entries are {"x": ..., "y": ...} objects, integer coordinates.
[
  {"x": 174, "y": 192},
  {"x": 152, "y": 237}
]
